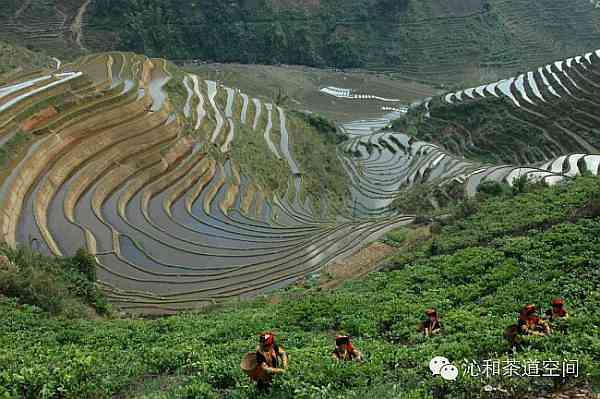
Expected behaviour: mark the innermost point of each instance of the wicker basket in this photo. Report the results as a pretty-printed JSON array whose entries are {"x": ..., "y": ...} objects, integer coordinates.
[{"x": 250, "y": 367}]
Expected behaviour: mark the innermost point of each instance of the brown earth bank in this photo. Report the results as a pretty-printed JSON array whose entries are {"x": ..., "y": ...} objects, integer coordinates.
[
  {"x": 369, "y": 258},
  {"x": 39, "y": 118},
  {"x": 356, "y": 266}
]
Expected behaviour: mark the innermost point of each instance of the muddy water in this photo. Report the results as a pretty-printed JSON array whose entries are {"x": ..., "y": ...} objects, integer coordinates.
[
  {"x": 187, "y": 109},
  {"x": 67, "y": 236},
  {"x": 28, "y": 232}
]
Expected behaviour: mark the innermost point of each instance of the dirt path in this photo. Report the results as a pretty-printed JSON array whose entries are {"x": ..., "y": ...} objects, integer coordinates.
[{"x": 77, "y": 22}]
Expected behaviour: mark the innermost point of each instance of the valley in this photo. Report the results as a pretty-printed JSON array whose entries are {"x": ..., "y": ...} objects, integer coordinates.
[{"x": 178, "y": 178}]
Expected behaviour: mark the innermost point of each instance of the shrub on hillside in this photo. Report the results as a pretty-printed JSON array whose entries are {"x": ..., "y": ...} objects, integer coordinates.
[
  {"x": 33, "y": 287},
  {"x": 465, "y": 208},
  {"x": 56, "y": 285},
  {"x": 396, "y": 237},
  {"x": 323, "y": 126},
  {"x": 492, "y": 188}
]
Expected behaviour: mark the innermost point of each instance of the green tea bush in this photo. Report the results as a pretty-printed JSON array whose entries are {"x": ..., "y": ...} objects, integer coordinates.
[
  {"x": 511, "y": 251},
  {"x": 396, "y": 237}
]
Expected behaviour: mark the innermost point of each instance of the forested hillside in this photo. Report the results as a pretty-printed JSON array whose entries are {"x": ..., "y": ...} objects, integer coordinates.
[{"x": 434, "y": 40}]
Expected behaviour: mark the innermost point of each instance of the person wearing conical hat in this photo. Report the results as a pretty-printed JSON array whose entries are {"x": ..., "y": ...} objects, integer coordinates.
[
  {"x": 268, "y": 360},
  {"x": 431, "y": 325},
  {"x": 344, "y": 350},
  {"x": 530, "y": 323},
  {"x": 557, "y": 310}
]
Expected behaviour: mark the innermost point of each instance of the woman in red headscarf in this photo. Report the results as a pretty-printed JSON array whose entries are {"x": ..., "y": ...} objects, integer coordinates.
[
  {"x": 529, "y": 322},
  {"x": 557, "y": 311},
  {"x": 268, "y": 360},
  {"x": 344, "y": 350},
  {"x": 431, "y": 325}
]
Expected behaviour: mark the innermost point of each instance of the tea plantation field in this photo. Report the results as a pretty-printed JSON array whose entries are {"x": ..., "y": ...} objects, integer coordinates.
[{"x": 479, "y": 268}]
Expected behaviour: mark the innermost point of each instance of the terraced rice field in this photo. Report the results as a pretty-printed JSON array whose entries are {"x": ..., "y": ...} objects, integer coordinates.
[
  {"x": 384, "y": 164},
  {"x": 489, "y": 38},
  {"x": 49, "y": 25},
  {"x": 171, "y": 224},
  {"x": 350, "y": 94},
  {"x": 305, "y": 85},
  {"x": 555, "y": 78},
  {"x": 142, "y": 176},
  {"x": 559, "y": 100},
  {"x": 548, "y": 112}
]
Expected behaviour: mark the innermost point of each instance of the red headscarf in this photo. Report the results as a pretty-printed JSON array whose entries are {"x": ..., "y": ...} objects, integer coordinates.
[
  {"x": 267, "y": 339},
  {"x": 432, "y": 314},
  {"x": 558, "y": 301},
  {"x": 557, "y": 305},
  {"x": 349, "y": 346},
  {"x": 527, "y": 312}
]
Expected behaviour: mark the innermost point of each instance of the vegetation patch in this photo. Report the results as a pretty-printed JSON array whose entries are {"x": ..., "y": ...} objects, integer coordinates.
[
  {"x": 12, "y": 147},
  {"x": 430, "y": 39},
  {"x": 58, "y": 286},
  {"x": 312, "y": 146},
  {"x": 530, "y": 248},
  {"x": 20, "y": 59}
]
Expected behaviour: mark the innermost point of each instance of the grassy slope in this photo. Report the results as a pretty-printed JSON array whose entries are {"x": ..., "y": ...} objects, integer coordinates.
[
  {"x": 17, "y": 58},
  {"x": 323, "y": 174},
  {"x": 514, "y": 250},
  {"x": 315, "y": 154},
  {"x": 496, "y": 136}
]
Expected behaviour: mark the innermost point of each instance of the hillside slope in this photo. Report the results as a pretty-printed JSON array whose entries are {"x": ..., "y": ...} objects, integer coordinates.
[
  {"x": 186, "y": 191},
  {"x": 528, "y": 118},
  {"x": 433, "y": 40},
  {"x": 51, "y": 26},
  {"x": 15, "y": 59},
  {"x": 529, "y": 248}
]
